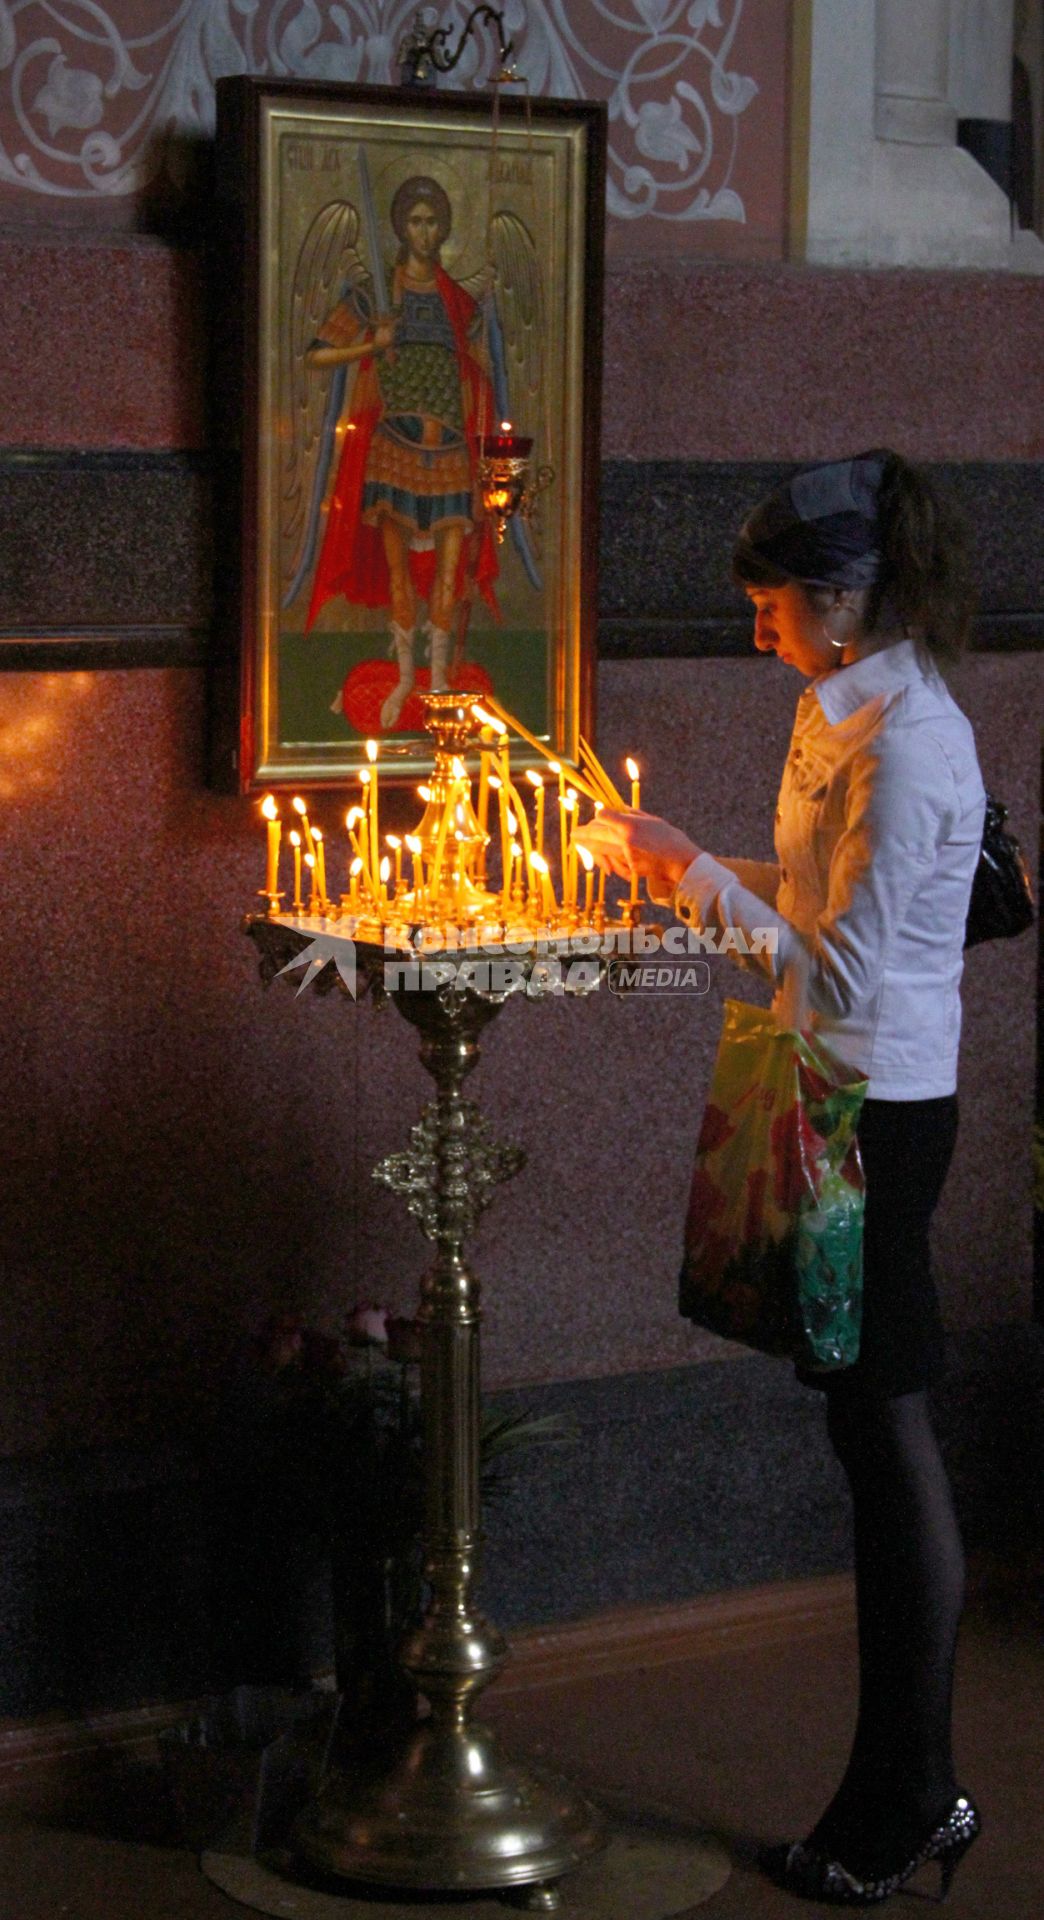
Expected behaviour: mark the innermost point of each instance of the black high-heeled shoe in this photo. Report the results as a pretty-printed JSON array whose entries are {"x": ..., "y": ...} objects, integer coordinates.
[{"x": 806, "y": 1870}]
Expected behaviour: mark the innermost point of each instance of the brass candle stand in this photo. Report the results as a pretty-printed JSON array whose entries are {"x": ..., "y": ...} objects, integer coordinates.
[{"x": 439, "y": 1808}]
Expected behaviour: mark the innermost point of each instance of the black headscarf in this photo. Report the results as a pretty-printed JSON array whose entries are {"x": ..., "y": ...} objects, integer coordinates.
[{"x": 821, "y": 527}]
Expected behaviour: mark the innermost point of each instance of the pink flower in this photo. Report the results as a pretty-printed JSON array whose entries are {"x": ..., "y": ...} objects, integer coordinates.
[{"x": 367, "y": 1325}]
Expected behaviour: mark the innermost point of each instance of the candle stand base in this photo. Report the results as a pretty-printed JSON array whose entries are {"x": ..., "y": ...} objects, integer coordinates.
[
  {"x": 439, "y": 1810},
  {"x": 449, "y": 1813}
]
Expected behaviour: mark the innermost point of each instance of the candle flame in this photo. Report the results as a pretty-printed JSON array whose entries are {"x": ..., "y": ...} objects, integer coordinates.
[
  {"x": 357, "y": 866},
  {"x": 459, "y": 815},
  {"x": 392, "y": 840},
  {"x": 535, "y": 779},
  {"x": 586, "y": 857},
  {"x": 555, "y": 766},
  {"x": 295, "y": 838},
  {"x": 385, "y": 868},
  {"x": 505, "y": 426},
  {"x": 495, "y": 781},
  {"x": 309, "y": 860},
  {"x": 537, "y": 860},
  {"x": 413, "y": 843},
  {"x": 317, "y": 833},
  {"x": 298, "y": 804},
  {"x": 457, "y": 835},
  {"x": 599, "y": 806},
  {"x": 365, "y": 777},
  {"x": 459, "y": 769},
  {"x": 569, "y": 800},
  {"x": 269, "y": 808},
  {"x": 512, "y": 822},
  {"x": 488, "y": 719},
  {"x": 632, "y": 768},
  {"x": 371, "y": 751},
  {"x": 515, "y": 849},
  {"x": 353, "y": 814},
  {"x": 425, "y": 794}
]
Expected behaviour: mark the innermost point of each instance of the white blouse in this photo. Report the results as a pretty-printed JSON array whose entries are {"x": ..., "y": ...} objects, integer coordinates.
[{"x": 878, "y": 832}]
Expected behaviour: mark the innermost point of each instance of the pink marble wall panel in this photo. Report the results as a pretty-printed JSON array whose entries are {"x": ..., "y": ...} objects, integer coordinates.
[
  {"x": 106, "y": 108},
  {"x": 183, "y": 1151},
  {"x": 793, "y": 363},
  {"x": 710, "y": 363},
  {"x": 102, "y": 344}
]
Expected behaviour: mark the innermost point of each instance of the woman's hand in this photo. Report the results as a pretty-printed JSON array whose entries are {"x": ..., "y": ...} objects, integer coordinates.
[{"x": 639, "y": 843}]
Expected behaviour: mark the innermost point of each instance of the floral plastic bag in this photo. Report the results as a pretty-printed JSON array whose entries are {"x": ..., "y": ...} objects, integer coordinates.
[{"x": 774, "y": 1238}]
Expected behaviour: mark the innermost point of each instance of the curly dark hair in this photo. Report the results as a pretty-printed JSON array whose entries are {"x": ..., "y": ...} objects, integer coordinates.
[{"x": 420, "y": 187}]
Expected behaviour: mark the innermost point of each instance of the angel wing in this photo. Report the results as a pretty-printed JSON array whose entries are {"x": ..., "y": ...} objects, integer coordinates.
[
  {"x": 515, "y": 321},
  {"x": 329, "y": 268}
]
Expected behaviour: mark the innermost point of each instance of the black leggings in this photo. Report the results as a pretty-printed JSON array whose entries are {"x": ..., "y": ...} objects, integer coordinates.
[{"x": 909, "y": 1562}]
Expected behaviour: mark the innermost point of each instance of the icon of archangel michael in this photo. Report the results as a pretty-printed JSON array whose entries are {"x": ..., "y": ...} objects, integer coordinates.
[{"x": 391, "y": 382}]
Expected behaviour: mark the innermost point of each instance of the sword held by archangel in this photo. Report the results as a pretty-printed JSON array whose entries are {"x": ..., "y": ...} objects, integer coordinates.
[{"x": 373, "y": 245}]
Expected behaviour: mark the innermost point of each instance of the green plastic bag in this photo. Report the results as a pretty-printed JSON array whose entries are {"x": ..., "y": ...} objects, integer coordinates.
[{"x": 774, "y": 1237}]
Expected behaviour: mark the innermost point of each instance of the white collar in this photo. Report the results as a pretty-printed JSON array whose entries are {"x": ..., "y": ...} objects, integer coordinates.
[{"x": 843, "y": 690}]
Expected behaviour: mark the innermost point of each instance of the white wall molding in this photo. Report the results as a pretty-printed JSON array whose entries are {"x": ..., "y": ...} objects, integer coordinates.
[{"x": 887, "y": 184}]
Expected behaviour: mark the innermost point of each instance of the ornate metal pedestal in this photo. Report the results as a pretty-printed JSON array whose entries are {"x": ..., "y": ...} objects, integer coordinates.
[{"x": 441, "y": 1808}]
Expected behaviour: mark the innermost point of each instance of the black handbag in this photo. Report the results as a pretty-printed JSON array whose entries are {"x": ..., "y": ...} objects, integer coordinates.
[{"x": 1001, "y": 903}]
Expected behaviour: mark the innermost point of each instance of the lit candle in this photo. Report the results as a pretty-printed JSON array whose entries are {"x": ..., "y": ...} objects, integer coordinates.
[
  {"x": 547, "y": 895},
  {"x": 569, "y": 849},
  {"x": 459, "y": 891},
  {"x": 514, "y": 853},
  {"x": 375, "y": 843},
  {"x": 313, "y": 897},
  {"x": 440, "y": 843},
  {"x": 392, "y": 840},
  {"x": 536, "y": 781},
  {"x": 299, "y": 807},
  {"x": 588, "y": 860},
  {"x": 320, "y": 866},
  {"x": 385, "y": 871},
  {"x": 415, "y": 850},
  {"x": 636, "y": 801},
  {"x": 483, "y": 801},
  {"x": 353, "y": 883},
  {"x": 351, "y": 820},
  {"x": 295, "y": 842},
  {"x": 270, "y": 812}
]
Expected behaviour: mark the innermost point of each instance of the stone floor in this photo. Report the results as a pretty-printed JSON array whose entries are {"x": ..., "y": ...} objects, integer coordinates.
[{"x": 745, "y": 1744}]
